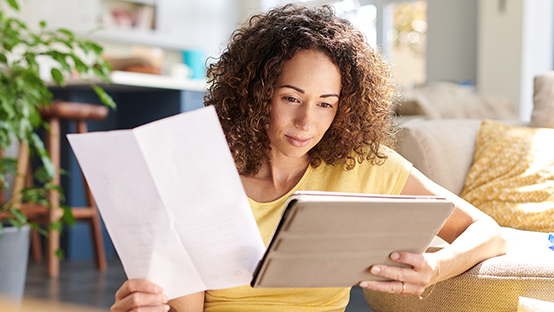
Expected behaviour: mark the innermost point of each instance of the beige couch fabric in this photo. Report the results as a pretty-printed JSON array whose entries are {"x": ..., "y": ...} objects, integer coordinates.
[
  {"x": 491, "y": 286},
  {"x": 450, "y": 100},
  {"x": 442, "y": 149},
  {"x": 543, "y": 110}
]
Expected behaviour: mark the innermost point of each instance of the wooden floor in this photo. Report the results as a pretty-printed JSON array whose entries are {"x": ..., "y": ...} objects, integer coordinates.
[{"x": 81, "y": 284}]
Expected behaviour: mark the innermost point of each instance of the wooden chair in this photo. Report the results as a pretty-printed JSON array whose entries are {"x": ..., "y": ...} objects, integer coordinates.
[{"x": 79, "y": 113}]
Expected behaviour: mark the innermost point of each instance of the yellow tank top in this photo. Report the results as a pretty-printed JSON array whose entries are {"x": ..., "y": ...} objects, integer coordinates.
[{"x": 388, "y": 178}]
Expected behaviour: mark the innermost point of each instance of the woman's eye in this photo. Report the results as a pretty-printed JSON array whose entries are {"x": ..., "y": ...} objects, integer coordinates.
[
  {"x": 326, "y": 105},
  {"x": 291, "y": 99}
]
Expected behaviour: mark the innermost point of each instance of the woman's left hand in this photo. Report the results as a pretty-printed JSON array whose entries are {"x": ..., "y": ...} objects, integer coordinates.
[{"x": 405, "y": 281}]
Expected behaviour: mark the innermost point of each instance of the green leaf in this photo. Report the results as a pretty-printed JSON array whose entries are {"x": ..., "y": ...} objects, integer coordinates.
[
  {"x": 55, "y": 226},
  {"x": 13, "y": 4},
  {"x": 3, "y": 58},
  {"x": 68, "y": 216},
  {"x": 43, "y": 154},
  {"x": 104, "y": 97},
  {"x": 42, "y": 24},
  {"x": 57, "y": 76},
  {"x": 106, "y": 66},
  {"x": 100, "y": 73},
  {"x": 15, "y": 223},
  {"x": 96, "y": 48},
  {"x": 67, "y": 33},
  {"x": 61, "y": 59},
  {"x": 18, "y": 22},
  {"x": 19, "y": 216},
  {"x": 80, "y": 66},
  {"x": 37, "y": 228},
  {"x": 35, "y": 118},
  {"x": 89, "y": 46},
  {"x": 42, "y": 176},
  {"x": 60, "y": 254}
]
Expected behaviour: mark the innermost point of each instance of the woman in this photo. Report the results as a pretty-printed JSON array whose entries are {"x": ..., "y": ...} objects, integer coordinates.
[{"x": 305, "y": 104}]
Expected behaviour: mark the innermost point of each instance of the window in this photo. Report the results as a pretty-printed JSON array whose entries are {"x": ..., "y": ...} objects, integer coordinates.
[
  {"x": 406, "y": 41},
  {"x": 398, "y": 29}
]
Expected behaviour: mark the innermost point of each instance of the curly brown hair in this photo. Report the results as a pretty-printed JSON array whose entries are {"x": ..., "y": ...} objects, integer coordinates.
[{"x": 243, "y": 78}]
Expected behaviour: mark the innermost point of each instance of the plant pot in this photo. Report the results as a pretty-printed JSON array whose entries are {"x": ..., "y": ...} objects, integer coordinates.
[{"x": 14, "y": 255}]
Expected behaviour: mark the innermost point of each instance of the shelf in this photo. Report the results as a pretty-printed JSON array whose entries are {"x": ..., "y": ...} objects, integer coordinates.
[
  {"x": 121, "y": 79},
  {"x": 144, "y": 2},
  {"x": 141, "y": 37}
]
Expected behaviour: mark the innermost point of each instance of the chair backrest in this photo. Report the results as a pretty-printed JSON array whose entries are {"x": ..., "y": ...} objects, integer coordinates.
[{"x": 77, "y": 111}]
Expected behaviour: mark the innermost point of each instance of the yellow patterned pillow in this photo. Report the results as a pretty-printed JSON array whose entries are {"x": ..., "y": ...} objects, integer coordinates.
[{"x": 512, "y": 176}]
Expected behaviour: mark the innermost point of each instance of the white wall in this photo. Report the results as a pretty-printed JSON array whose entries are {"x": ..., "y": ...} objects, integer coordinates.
[
  {"x": 500, "y": 41},
  {"x": 538, "y": 48},
  {"x": 515, "y": 45},
  {"x": 452, "y": 40}
]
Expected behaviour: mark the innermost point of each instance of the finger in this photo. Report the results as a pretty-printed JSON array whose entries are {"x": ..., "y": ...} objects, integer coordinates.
[
  {"x": 414, "y": 260},
  {"x": 157, "y": 308},
  {"x": 139, "y": 301},
  {"x": 160, "y": 308},
  {"x": 393, "y": 287},
  {"x": 394, "y": 273},
  {"x": 137, "y": 285},
  {"x": 426, "y": 265}
]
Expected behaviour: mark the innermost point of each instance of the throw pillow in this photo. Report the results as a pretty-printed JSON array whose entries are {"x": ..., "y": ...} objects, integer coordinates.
[{"x": 512, "y": 176}]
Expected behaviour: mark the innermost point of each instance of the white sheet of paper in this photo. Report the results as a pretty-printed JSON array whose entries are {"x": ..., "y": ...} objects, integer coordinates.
[{"x": 173, "y": 203}]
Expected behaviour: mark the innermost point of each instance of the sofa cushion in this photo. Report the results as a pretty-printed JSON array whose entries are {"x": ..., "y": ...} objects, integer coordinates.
[
  {"x": 451, "y": 100},
  {"x": 442, "y": 149},
  {"x": 512, "y": 176},
  {"x": 543, "y": 101}
]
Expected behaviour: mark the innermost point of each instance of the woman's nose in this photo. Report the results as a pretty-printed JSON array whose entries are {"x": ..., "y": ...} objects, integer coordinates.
[{"x": 303, "y": 120}]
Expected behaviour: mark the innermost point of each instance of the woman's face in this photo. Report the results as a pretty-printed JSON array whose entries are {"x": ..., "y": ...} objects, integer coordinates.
[{"x": 304, "y": 103}]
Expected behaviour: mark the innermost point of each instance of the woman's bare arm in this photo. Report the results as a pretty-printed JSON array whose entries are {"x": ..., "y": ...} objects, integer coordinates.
[{"x": 473, "y": 235}]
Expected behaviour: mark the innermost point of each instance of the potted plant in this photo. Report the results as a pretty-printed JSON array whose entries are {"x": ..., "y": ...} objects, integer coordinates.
[{"x": 23, "y": 54}]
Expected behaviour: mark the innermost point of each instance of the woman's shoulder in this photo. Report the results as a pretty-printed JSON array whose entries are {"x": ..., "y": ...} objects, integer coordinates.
[
  {"x": 381, "y": 177},
  {"x": 387, "y": 157}
]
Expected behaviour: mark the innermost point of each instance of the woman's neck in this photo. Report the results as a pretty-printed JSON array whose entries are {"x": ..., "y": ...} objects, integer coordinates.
[{"x": 275, "y": 178}]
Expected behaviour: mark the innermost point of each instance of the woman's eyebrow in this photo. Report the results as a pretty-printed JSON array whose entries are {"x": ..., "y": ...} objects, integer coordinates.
[
  {"x": 293, "y": 87},
  {"x": 302, "y": 91},
  {"x": 329, "y": 95}
]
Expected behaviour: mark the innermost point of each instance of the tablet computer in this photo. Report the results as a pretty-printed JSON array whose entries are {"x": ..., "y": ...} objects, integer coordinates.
[{"x": 327, "y": 239}]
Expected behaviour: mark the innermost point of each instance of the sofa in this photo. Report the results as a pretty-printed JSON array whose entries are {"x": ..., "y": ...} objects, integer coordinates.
[{"x": 443, "y": 149}]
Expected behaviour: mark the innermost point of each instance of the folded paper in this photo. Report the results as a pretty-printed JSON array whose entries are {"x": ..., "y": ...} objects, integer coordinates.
[{"x": 173, "y": 203}]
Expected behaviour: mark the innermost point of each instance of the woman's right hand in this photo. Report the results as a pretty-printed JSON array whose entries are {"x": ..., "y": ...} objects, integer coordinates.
[{"x": 138, "y": 295}]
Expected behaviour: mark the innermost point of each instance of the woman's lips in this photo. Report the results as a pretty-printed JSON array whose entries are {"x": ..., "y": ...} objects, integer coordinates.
[{"x": 298, "y": 142}]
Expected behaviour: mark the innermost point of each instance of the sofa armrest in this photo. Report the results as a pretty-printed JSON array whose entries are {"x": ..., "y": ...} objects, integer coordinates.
[{"x": 492, "y": 285}]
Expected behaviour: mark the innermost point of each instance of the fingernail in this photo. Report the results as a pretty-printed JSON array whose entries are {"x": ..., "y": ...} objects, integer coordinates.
[
  {"x": 159, "y": 289},
  {"x": 364, "y": 284},
  {"x": 165, "y": 298},
  {"x": 375, "y": 270},
  {"x": 395, "y": 256},
  {"x": 166, "y": 307}
]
